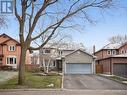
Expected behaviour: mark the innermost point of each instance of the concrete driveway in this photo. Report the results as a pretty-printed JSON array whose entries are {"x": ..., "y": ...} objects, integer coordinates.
[{"x": 91, "y": 82}]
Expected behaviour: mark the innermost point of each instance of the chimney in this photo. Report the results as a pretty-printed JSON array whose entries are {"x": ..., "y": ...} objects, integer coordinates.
[{"x": 94, "y": 49}]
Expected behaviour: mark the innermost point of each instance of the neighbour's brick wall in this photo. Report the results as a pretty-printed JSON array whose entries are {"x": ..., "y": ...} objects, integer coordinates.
[
  {"x": 31, "y": 67},
  {"x": 4, "y": 49},
  {"x": 102, "y": 54},
  {"x": 119, "y": 60},
  {"x": 123, "y": 48},
  {"x": 106, "y": 65},
  {"x": 99, "y": 54}
]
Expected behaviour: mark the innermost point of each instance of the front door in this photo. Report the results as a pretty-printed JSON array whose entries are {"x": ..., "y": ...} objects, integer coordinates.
[{"x": 59, "y": 64}]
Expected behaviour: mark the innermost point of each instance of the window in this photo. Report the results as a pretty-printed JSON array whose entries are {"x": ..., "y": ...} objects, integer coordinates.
[
  {"x": 114, "y": 52},
  {"x": 12, "y": 48},
  {"x": 11, "y": 60},
  {"x": 60, "y": 52},
  {"x": 122, "y": 51},
  {"x": 47, "y": 51},
  {"x": 0, "y": 60},
  {"x": 125, "y": 51},
  {"x": 54, "y": 64},
  {"x": 109, "y": 52}
]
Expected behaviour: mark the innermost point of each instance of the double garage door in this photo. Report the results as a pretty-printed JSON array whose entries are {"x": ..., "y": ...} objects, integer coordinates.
[
  {"x": 120, "y": 69},
  {"x": 78, "y": 68}
]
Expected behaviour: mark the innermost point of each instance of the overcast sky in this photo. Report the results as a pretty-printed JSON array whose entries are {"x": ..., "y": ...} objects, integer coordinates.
[{"x": 112, "y": 23}]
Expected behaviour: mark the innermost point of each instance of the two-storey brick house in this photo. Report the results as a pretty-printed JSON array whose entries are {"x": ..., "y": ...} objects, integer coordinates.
[
  {"x": 10, "y": 51},
  {"x": 69, "y": 58},
  {"x": 113, "y": 58},
  {"x": 56, "y": 52}
]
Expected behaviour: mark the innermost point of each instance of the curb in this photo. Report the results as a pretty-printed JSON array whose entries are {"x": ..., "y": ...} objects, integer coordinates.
[
  {"x": 62, "y": 82},
  {"x": 3, "y": 90}
]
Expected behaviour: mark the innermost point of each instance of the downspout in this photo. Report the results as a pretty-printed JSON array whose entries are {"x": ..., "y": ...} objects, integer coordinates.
[
  {"x": 102, "y": 53},
  {"x": 110, "y": 66}
]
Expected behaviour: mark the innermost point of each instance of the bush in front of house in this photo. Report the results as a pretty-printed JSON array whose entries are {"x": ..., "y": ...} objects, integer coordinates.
[{"x": 6, "y": 67}]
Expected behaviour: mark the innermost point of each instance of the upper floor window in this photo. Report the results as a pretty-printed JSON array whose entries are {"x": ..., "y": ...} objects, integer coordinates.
[
  {"x": 109, "y": 52},
  {"x": 122, "y": 51},
  {"x": 114, "y": 52},
  {"x": 11, "y": 48},
  {"x": 125, "y": 51},
  {"x": 60, "y": 52},
  {"x": 47, "y": 51}
]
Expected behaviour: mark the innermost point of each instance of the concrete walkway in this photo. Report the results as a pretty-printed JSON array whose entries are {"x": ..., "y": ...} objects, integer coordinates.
[{"x": 5, "y": 75}]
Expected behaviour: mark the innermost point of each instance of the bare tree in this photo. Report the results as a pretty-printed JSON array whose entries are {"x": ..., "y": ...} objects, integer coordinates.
[
  {"x": 54, "y": 14},
  {"x": 2, "y": 22},
  {"x": 53, "y": 45},
  {"x": 118, "y": 39}
]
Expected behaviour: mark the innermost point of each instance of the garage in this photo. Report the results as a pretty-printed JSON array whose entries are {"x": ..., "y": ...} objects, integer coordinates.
[
  {"x": 78, "y": 68},
  {"x": 120, "y": 69},
  {"x": 79, "y": 62}
]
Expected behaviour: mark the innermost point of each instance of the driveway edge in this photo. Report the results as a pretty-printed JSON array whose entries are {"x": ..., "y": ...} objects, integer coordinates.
[
  {"x": 3, "y": 90},
  {"x": 62, "y": 82},
  {"x": 113, "y": 79}
]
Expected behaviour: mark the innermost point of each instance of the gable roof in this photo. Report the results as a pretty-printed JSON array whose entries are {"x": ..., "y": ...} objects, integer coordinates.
[
  {"x": 110, "y": 46},
  {"x": 10, "y": 38},
  {"x": 65, "y": 46},
  {"x": 123, "y": 45},
  {"x": 81, "y": 51}
]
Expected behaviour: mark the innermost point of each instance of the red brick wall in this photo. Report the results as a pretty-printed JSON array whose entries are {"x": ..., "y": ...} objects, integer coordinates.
[
  {"x": 99, "y": 54},
  {"x": 31, "y": 67},
  {"x": 106, "y": 65},
  {"x": 124, "y": 48},
  {"x": 102, "y": 54},
  {"x": 119, "y": 60}
]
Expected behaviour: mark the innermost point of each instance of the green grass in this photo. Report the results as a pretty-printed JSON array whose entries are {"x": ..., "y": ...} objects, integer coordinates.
[
  {"x": 33, "y": 81},
  {"x": 118, "y": 78}
]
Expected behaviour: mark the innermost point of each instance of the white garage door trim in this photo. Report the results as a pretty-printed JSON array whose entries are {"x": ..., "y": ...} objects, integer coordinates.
[{"x": 78, "y": 68}]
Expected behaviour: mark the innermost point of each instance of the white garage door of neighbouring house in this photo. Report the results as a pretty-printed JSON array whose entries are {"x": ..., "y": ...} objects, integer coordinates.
[{"x": 78, "y": 68}]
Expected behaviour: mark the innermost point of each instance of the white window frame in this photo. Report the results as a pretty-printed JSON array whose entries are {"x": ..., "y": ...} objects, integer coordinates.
[
  {"x": 54, "y": 64},
  {"x": 60, "y": 52},
  {"x": 10, "y": 48},
  {"x": 113, "y": 51},
  {"x": 108, "y": 52},
  {"x": 122, "y": 51},
  {"x": 47, "y": 53},
  {"x": 14, "y": 57},
  {"x": 125, "y": 51}
]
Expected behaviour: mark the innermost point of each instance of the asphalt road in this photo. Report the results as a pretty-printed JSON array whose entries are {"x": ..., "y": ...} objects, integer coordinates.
[
  {"x": 91, "y": 82},
  {"x": 65, "y": 92}
]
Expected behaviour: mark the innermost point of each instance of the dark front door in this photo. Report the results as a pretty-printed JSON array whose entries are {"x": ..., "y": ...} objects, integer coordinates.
[
  {"x": 59, "y": 64},
  {"x": 0, "y": 61}
]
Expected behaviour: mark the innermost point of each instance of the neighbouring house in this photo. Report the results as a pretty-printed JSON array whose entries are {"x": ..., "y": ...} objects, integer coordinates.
[
  {"x": 69, "y": 58},
  {"x": 34, "y": 57},
  {"x": 113, "y": 59},
  {"x": 10, "y": 51}
]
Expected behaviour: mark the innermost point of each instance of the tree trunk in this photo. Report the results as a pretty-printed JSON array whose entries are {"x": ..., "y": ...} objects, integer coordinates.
[{"x": 21, "y": 75}]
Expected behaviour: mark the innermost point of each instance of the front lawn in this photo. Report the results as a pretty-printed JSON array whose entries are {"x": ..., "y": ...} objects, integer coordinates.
[
  {"x": 5, "y": 75},
  {"x": 33, "y": 81}
]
